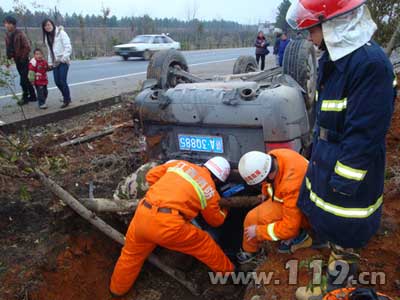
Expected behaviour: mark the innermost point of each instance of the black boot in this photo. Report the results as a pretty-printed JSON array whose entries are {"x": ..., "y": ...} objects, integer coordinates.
[{"x": 343, "y": 268}]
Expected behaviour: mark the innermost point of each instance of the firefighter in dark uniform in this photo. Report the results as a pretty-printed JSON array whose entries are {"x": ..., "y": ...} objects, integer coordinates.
[{"x": 342, "y": 192}]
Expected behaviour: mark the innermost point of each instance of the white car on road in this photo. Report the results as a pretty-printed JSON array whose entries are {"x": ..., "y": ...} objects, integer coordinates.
[{"x": 145, "y": 45}]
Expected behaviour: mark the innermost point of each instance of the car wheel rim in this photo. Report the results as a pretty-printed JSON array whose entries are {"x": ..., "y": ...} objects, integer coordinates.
[
  {"x": 251, "y": 68},
  {"x": 173, "y": 80}
]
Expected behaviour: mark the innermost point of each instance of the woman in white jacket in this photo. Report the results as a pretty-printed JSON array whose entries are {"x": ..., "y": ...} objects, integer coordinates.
[{"x": 59, "y": 56}]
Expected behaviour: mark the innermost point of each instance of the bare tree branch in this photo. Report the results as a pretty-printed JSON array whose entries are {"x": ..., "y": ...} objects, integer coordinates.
[{"x": 392, "y": 43}]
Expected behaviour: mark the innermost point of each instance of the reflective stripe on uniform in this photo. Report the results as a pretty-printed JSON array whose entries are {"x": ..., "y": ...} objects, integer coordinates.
[
  {"x": 273, "y": 197},
  {"x": 343, "y": 211},
  {"x": 222, "y": 213},
  {"x": 348, "y": 172},
  {"x": 395, "y": 81},
  {"x": 334, "y": 105},
  {"x": 271, "y": 233},
  {"x": 196, "y": 186}
]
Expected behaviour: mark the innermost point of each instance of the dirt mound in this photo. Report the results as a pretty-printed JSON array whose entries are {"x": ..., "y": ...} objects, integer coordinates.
[{"x": 82, "y": 270}]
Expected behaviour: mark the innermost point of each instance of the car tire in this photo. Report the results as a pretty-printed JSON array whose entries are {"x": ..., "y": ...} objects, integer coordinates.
[
  {"x": 125, "y": 58},
  {"x": 245, "y": 64},
  {"x": 160, "y": 65},
  {"x": 147, "y": 55},
  {"x": 300, "y": 63}
]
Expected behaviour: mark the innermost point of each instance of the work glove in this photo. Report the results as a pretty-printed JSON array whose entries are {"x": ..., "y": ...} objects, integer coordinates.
[{"x": 250, "y": 232}]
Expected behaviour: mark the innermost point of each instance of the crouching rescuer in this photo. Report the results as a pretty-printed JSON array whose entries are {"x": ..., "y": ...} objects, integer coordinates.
[
  {"x": 280, "y": 175},
  {"x": 179, "y": 190},
  {"x": 342, "y": 193}
]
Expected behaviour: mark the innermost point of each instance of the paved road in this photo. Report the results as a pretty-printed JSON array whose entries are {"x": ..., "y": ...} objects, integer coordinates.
[{"x": 101, "y": 78}]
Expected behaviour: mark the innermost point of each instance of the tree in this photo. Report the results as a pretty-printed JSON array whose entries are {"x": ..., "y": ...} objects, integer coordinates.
[
  {"x": 21, "y": 11},
  {"x": 148, "y": 25},
  {"x": 394, "y": 41},
  {"x": 105, "y": 14},
  {"x": 386, "y": 14},
  {"x": 83, "y": 36},
  {"x": 191, "y": 10},
  {"x": 199, "y": 32},
  {"x": 57, "y": 16},
  {"x": 281, "y": 16}
]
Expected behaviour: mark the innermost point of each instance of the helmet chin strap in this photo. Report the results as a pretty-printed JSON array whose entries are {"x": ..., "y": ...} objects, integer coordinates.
[
  {"x": 218, "y": 183},
  {"x": 274, "y": 168},
  {"x": 270, "y": 181}
]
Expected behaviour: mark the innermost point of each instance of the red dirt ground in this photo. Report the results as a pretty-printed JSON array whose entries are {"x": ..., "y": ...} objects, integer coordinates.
[{"x": 83, "y": 269}]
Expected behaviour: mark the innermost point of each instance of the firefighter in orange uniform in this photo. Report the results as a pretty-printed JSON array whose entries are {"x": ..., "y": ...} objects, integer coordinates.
[
  {"x": 280, "y": 173},
  {"x": 179, "y": 190}
]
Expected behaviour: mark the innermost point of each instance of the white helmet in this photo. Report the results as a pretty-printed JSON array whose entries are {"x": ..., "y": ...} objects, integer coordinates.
[
  {"x": 219, "y": 166},
  {"x": 254, "y": 167}
]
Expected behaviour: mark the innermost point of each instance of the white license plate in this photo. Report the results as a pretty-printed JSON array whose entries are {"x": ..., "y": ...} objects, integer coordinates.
[{"x": 199, "y": 143}]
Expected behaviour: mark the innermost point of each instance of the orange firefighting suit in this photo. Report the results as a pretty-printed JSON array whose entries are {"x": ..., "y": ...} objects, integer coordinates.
[
  {"x": 278, "y": 218},
  {"x": 183, "y": 189}
]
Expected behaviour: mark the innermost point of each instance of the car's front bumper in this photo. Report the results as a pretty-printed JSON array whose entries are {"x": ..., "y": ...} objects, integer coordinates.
[{"x": 129, "y": 53}]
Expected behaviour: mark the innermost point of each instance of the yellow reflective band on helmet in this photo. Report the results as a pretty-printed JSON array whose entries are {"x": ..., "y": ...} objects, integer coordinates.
[
  {"x": 349, "y": 173},
  {"x": 199, "y": 191},
  {"x": 271, "y": 233},
  {"x": 222, "y": 213},
  {"x": 273, "y": 197},
  {"x": 334, "y": 105},
  {"x": 343, "y": 211}
]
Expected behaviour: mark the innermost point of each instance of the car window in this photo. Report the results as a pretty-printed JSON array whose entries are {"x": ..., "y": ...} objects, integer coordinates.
[
  {"x": 169, "y": 39},
  {"x": 142, "y": 39},
  {"x": 166, "y": 40},
  {"x": 158, "y": 40}
]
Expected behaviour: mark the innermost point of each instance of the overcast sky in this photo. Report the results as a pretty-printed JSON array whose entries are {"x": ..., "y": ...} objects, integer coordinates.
[{"x": 243, "y": 11}]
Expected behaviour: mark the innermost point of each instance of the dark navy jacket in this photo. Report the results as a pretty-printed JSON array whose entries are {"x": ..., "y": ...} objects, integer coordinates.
[
  {"x": 261, "y": 49},
  {"x": 342, "y": 192},
  {"x": 281, "y": 51}
]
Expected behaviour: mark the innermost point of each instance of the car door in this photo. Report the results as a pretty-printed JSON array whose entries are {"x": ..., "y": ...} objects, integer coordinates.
[
  {"x": 158, "y": 43},
  {"x": 149, "y": 44},
  {"x": 167, "y": 43}
]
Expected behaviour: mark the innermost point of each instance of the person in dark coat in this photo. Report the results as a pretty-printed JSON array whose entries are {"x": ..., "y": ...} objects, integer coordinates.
[
  {"x": 18, "y": 48},
  {"x": 276, "y": 46},
  {"x": 261, "y": 45},
  {"x": 342, "y": 194},
  {"x": 282, "y": 47}
]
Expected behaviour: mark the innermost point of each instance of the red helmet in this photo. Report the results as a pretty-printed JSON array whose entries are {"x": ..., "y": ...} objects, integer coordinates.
[{"x": 304, "y": 14}]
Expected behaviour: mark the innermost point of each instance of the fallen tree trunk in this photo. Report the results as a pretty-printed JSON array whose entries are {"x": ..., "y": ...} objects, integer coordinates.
[
  {"x": 240, "y": 201},
  {"x": 68, "y": 199},
  {"x": 101, "y": 205},
  {"x": 95, "y": 135}
]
